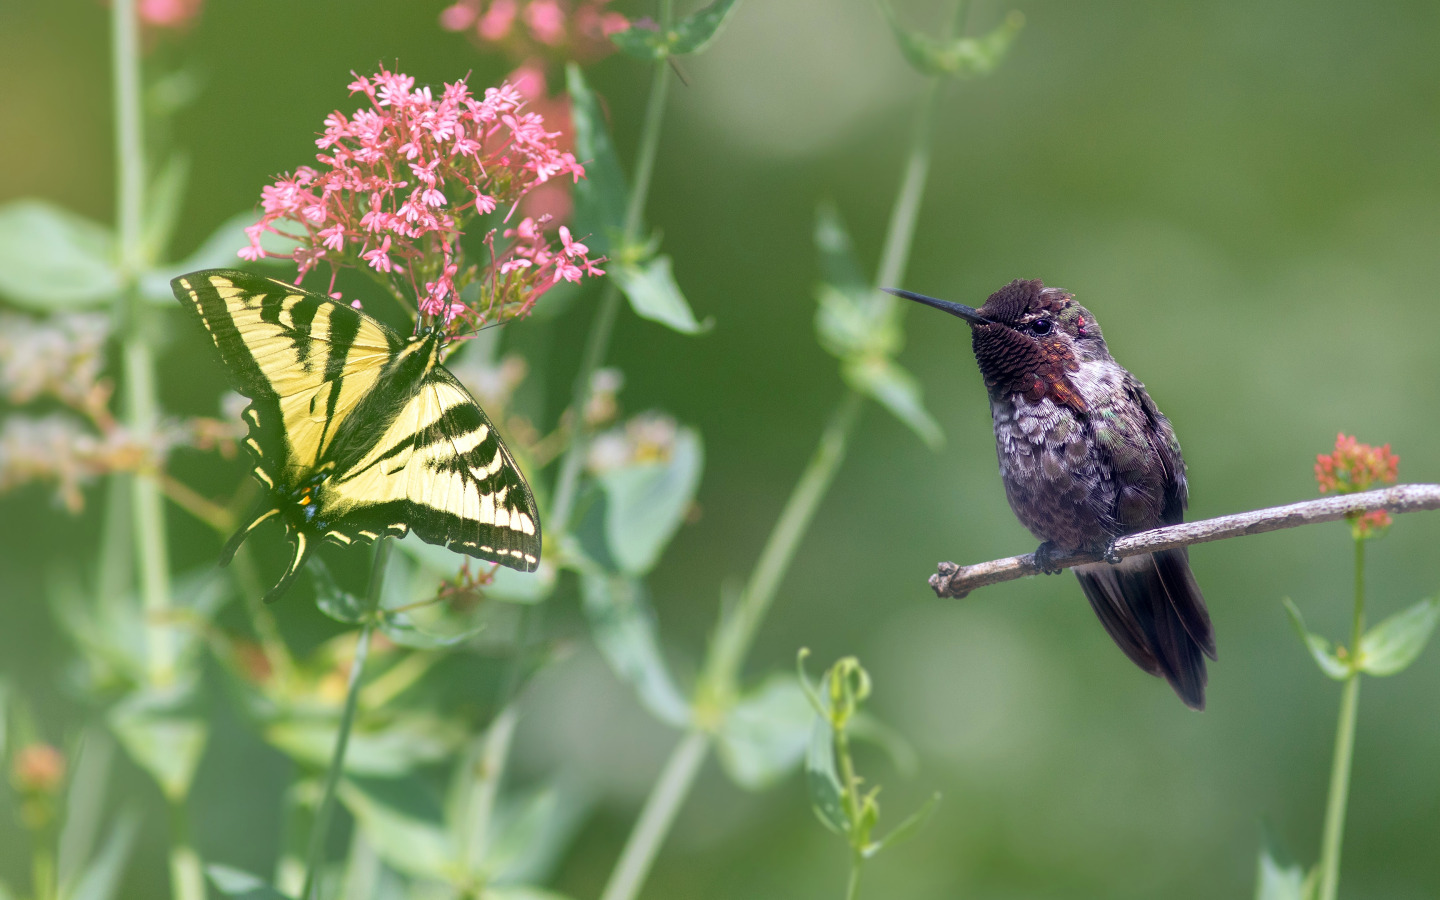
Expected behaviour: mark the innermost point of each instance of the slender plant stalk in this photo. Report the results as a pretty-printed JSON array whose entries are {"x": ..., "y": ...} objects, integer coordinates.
[
  {"x": 187, "y": 874},
  {"x": 152, "y": 554},
  {"x": 737, "y": 631},
  {"x": 852, "y": 802},
  {"x": 42, "y": 865},
  {"x": 488, "y": 765},
  {"x": 323, "y": 813},
  {"x": 1335, "y": 805},
  {"x": 598, "y": 342},
  {"x": 656, "y": 817},
  {"x": 567, "y": 483}
]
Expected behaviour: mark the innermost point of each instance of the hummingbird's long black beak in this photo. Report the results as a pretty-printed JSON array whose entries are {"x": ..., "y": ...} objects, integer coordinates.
[{"x": 968, "y": 313}]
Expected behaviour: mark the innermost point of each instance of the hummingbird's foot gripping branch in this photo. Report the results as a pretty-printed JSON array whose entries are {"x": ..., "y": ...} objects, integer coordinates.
[
  {"x": 1043, "y": 555},
  {"x": 951, "y": 580}
]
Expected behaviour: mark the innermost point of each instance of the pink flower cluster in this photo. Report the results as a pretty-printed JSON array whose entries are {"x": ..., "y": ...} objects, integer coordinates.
[
  {"x": 399, "y": 180},
  {"x": 1355, "y": 467},
  {"x": 567, "y": 29}
]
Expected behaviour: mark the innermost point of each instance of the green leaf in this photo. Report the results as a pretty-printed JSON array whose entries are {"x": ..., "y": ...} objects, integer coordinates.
[
  {"x": 1318, "y": 646},
  {"x": 51, "y": 258},
  {"x": 5, "y": 699},
  {"x": 521, "y": 892},
  {"x": 691, "y": 34},
  {"x": 642, "y": 42},
  {"x": 532, "y": 831},
  {"x": 333, "y": 600},
  {"x": 396, "y": 746},
  {"x": 646, "y": 502},
  {"x": 1394, "y": 644},
  {"x": 963, "y": 57},
  {"x": 837, "y": 252},
  {"x": 100, "y": 877},
  {"x": 695, "y": 32},
  {"x": 235, "y": 883},
  {"x": 1278, "y": 881},
  {"x": 624, "y": 629},
  {"x": 221, "y": 250},
  {"x": 650, "y": 286},
  {"x": 884, "y": 381},
  {"x": 408, "y": 835},
  {"x": 826, "y": 793},
  {"x": 906, "y": 829},
  {"x": 162, "y": 204},
  {"x": 764, "y": 736},
  {"x": 164, "y": 732},
  {"x": 601, "y": 197}
]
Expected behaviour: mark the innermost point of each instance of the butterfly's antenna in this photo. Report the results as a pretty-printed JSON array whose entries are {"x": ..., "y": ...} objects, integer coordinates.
[{"x": 485, "y": 327}]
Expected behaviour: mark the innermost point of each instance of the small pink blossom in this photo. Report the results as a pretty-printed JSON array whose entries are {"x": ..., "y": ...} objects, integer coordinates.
[
  {"x": 560, "y": 30},
  {"x": 397, "y": 183},
  {"x": 167, "y": 15}
]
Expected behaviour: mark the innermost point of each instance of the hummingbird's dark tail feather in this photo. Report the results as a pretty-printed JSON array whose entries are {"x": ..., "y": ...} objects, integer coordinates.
[{"x": 1153, "y": 610}]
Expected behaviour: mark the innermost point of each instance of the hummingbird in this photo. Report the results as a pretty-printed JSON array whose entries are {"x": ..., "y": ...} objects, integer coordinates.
[{"x": 1086, "y": 458}]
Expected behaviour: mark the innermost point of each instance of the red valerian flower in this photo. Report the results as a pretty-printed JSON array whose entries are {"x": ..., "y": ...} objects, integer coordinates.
[
  {"x": 399, "y": 181},
  {"x": 557, "y": 29},
  {"x": 1355, "y": 467}
]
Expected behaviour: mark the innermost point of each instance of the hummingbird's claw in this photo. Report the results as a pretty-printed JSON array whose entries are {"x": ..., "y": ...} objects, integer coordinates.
[
  {"x": 1110, "y": 556},
  {"x": 1042, "y": 559}
]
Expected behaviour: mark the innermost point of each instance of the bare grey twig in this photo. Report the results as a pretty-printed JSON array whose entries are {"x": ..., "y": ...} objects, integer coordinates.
[{"x": 951, "y": 580}]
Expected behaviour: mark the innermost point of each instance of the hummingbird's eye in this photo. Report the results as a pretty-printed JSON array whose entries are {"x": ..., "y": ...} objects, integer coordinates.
[{"x": 1040, "y": 327}]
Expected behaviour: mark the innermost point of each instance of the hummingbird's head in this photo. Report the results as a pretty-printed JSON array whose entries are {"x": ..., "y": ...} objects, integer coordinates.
[{"x": 1028, "y": 339}]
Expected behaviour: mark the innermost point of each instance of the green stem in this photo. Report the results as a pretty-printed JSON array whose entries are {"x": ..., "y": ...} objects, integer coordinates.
[
  {"x": 852, "y": 886},
  {"x": 567, "y": 485},
  {"x": 650, "y": 830},
  {"x": 42, "y": 866},
  {"x": 323, "y": 813},
  {"x": 732, "y": 644},
  {"x": 737, "y": 632},
  {"x": 187, "y": 875},
  {"x": 853, "y": 804},
  {"x": 487, "y": 767},
  {"x": 1335, "y": 805},
  {"x": 141, "y": 408}
]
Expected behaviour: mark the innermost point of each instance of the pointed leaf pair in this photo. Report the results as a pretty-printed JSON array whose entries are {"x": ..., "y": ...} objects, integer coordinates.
[
  {"x": 857, "y": 325},
  {"x": 221, "y": 250},
  {"x": 601, "y": 204},
  {"x": 52, "y": 259},
  {"x": 962, "y": 57},
  {"x": 623, "y": 625},
  {"x": 164, "y": 731},
  {"x": 765, "y": 735},
  {"x": 1319, "y": 647},
  {"x": 691, "y": 34},
  {"x": 242, "y": 885},
  {"x": 1279, "y": 879},
  {"x": 645, "y": 503},
  {"x": 1393, "y": 645}
]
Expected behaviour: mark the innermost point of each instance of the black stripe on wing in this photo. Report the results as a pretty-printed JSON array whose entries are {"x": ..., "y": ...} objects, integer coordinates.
[{"x": 479, "y": 473}]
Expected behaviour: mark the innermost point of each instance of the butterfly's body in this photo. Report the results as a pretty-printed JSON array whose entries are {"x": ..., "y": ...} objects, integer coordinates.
[{"x": 357, "y": 432}]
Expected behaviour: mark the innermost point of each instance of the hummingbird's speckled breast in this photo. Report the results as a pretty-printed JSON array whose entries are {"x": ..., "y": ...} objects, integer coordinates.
[{"x": 1058, "y": 486}]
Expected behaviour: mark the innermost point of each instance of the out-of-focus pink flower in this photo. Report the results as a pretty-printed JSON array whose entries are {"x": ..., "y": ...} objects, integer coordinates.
[
  {"x": 1355, "y": 467},
  {"x": 559, "y": 30},
  {"x": 38, "y": 769},
  {"x": 398, "y": 182}
]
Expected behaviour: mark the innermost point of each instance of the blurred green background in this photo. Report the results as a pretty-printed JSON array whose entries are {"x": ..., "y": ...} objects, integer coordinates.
[{"x": 1246, "y": 195}]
